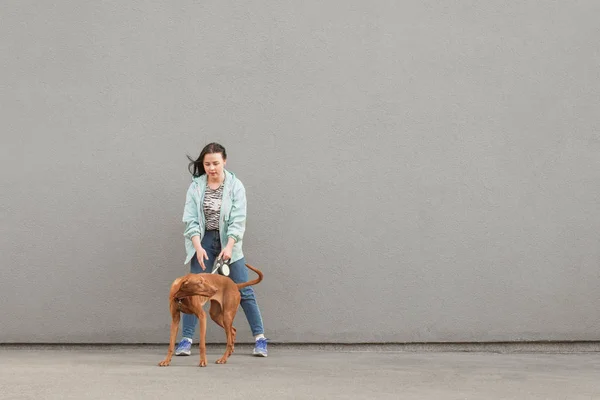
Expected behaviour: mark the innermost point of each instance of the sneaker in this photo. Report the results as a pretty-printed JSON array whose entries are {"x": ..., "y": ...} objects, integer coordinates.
[
  {"x": 184, "y": 348},
  {"x": 260, "y": 348}
]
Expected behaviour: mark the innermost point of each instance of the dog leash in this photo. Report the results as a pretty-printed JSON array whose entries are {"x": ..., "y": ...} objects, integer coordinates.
[{"x": 221, "y": 267}]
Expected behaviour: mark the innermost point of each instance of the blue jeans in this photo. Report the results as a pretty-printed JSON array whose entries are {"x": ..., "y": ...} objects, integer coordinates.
[{"x": 238, "y": 273}]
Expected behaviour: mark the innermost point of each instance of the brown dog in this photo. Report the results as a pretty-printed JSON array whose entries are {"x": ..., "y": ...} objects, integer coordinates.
[{"x": 190, "y": 292}]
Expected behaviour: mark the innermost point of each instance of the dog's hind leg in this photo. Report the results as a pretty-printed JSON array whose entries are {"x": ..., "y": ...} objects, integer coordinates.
[
  {"x": 216, "y": 314},
  {"x": 225, "y": 320}
]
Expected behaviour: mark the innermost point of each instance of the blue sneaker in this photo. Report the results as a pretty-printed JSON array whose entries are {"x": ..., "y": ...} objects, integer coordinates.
[
  {"x": 184, "y": 348},
  {"x": 260, "y": 348}
]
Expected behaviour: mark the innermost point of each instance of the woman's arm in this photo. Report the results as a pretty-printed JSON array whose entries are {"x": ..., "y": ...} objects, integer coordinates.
[
  {"x": 192, "y": 225},
  {"x": 237, "y": 215},
  {"x": 190, "y": 218},
  {"x": 237, "y": 219}
]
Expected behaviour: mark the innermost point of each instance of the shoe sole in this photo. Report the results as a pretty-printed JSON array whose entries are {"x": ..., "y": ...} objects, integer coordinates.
[
  {"x": 259, "y": 354},
  {"x": 184, "y": 353}
]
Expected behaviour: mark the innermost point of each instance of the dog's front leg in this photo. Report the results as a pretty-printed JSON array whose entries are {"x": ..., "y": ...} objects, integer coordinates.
[
  {"x": 175, "y": 317},
  {"x": 202, "y": 319}
]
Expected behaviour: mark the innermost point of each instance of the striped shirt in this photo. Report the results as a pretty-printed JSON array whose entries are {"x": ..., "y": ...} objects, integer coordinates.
[{"x": 212, "y": 207}]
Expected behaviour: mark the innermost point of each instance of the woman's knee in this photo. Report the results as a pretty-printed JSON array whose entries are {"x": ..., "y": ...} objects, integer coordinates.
[
  {"x": 247, "y": 293},
  {"x": 239, "y": 273}
]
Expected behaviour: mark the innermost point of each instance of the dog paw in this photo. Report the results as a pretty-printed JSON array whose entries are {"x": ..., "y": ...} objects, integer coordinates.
[
  {"x": 164, "y": 363},
  {"x": 221, "y": 360},
  {"x": 203, "y": 363}
]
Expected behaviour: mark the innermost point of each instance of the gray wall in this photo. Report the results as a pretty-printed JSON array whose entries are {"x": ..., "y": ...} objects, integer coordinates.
[{"x": 416, "y": 170}]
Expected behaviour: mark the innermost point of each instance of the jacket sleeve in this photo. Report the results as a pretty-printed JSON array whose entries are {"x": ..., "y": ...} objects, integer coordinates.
[
  {"x": 237, "y": 217},
  {"x": 190, "y": 215}
]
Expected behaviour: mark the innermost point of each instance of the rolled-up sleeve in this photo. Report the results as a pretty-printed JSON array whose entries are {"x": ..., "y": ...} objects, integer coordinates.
[{"x": 237, "y": 217}]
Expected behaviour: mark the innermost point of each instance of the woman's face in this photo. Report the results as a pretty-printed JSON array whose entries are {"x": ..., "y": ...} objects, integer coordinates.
[{"x": 214, "y": 165}]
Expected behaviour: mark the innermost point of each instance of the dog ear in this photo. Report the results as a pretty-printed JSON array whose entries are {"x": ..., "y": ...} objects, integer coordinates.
[
  {"x": 206, "y": 288},
  {"x": 215, "y": 288},
  {"x": 176, "y": 285},
  {"x": 184, "y": 282}
]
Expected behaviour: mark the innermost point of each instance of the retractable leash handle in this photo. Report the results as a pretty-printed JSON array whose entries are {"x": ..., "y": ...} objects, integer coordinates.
[{"x": 221, "y": 267}]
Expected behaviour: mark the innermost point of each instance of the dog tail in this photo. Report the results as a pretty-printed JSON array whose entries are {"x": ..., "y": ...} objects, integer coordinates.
[{"x": 254, "y": 282}]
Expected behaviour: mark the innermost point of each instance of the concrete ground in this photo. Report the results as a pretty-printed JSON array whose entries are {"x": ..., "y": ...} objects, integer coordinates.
[{"x": 297, "y": 372}]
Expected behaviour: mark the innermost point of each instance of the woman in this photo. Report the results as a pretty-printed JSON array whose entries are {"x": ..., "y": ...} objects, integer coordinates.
[{"x": 215, "y": 220}]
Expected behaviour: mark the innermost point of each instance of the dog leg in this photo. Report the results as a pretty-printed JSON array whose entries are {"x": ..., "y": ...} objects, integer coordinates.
[
  {"x": 228, "y": 325},
  {"x": 216, "y": 314},
  {"x": 175, "y": 317}
]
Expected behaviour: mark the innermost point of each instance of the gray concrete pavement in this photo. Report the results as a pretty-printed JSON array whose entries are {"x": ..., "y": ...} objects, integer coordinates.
[{"x": 295, "y": 372}]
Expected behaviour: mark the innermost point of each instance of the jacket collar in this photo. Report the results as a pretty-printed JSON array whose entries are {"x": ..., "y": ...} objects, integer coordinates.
[{"x": 229, "y": 177}]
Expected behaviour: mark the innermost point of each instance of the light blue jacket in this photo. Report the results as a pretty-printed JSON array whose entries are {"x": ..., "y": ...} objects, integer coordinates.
[{"x": 232, "y": 221}]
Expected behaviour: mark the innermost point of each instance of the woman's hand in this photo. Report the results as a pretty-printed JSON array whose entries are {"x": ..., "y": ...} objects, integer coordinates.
[
  {"x": 225, "y": 254},
  {"x": 201, "y": 256}
]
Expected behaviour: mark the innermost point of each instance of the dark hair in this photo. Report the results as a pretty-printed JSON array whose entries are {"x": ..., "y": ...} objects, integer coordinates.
[{"x": 196, "y": 167}]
